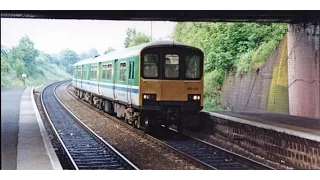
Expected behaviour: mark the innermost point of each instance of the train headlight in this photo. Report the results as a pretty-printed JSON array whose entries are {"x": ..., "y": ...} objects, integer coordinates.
[
  {"x": 194, "y": 97},
  {"x": 151, "y": 97}
]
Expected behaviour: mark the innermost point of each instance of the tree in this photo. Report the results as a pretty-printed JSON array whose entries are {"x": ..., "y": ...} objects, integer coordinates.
[
  {"x": 67, "y": 59},
  {"x": 4, "y": 65},
  {"x": 93, "y": 52},
  {"x": 135, "y": 38},
  {"x": 4, "y": 51},
  {"x": 29, "y": 53},
  {"x": 26, "y": 53},
  {"x": 130, "y": 33},
  {"x": 110, "y": 49},
  {"x": 138, "y": 39},
  {"x": 90, "y": 54}
]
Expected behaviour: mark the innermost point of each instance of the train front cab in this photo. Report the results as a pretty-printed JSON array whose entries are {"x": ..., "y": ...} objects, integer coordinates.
[{"x": 171, "y": 85}]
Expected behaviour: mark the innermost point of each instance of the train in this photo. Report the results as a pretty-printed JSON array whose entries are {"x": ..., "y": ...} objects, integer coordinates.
[{"x": 153, "y": 84}]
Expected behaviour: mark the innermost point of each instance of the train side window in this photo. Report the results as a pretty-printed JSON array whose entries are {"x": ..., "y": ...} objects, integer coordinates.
[
  {"x": 109, "y": 71},
  {"x": 79, "y": 73},
  {"x": 75, "y": 71},
  {"x": 150, "y": 65},
  {"x": 122, "y": 76},
  {"x": 84, "y": 72},
  {"x": 93, "y": 74},
  {"x": 104, "y": 72}
]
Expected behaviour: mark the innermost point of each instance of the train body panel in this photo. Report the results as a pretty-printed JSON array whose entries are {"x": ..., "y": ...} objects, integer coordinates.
[
  {"x": 111, "y": 91},
  {"x": 171, "y": 90}
]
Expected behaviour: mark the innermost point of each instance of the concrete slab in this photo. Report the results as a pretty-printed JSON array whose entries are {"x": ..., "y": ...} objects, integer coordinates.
[
  {"x": 35, "y": 151},
  {"x": 10, "y": 108}
]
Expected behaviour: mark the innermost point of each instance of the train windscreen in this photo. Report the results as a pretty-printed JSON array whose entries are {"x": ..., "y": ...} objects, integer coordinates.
[{"x": 172, "y": 63}]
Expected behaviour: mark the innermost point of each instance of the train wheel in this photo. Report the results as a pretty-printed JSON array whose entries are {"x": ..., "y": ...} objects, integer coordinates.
[
  {"x": 146, "y": 125},
  {"x": 136, "y": 123}
]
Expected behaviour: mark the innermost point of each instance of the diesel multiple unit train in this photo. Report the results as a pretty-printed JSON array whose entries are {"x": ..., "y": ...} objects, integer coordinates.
[{"x": 158, "y": 83}]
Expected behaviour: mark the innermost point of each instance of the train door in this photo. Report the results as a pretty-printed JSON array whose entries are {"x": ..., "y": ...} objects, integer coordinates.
[
  {"x": 130, "y": 81},
  {"x": 99, "y": 77},
  {"x": 77, "y": 78},
  {"x": 82, "y": 76},
  {"x": 74, "y": 79},
  {"x": 115, "y": 76}
]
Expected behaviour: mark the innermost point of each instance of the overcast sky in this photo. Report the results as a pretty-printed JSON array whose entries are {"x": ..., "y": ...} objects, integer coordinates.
[{"x": 51, "y": 36}]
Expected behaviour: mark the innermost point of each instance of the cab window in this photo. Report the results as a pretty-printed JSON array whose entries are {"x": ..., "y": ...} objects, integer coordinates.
[
  {"x": 150, "y": 65},
  {"x": 193, "y": 66},
  {"x": 171, "y": 66}
]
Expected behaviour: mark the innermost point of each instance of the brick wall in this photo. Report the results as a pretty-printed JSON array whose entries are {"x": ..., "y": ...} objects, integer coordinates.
[{"x": 279, "y": 147}]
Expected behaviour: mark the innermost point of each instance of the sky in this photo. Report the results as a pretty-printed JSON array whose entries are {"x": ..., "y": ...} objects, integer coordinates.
[{"x": 51, "y": 36}]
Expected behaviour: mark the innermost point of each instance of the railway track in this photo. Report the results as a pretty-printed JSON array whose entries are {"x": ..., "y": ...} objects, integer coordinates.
[
  {"x": 200, "y": 153},
  {"x": 85, "y": 148},
  {"x": 213, "y": 156}
]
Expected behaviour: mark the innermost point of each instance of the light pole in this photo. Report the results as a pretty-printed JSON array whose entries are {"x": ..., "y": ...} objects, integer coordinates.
[
  {"x": 24, "y": 79},
  {"x": 151, "y": 30}
]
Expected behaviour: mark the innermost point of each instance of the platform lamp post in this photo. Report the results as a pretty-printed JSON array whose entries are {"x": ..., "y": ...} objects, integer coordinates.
[{"x": 24, "y": 79}]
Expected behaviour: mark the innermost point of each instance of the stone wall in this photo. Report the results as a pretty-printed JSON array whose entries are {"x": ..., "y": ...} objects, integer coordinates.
[{"x": 263, "y": 90}]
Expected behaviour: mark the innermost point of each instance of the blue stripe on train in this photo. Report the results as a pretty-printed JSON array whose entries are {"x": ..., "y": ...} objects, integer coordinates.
[{"x": 111, "y": 87}]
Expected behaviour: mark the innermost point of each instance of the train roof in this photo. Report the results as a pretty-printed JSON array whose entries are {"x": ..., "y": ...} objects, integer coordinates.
[{"x": 128, "y": 52}]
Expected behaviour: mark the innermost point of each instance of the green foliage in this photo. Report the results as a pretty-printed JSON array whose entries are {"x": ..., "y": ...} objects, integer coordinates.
[
  {"x": 130, "y": 33},
  {"x": 19, "y": 67},
  {"x": 229, "y": 47},
  {"x": 90, "y": 54},
  {"x": 24, "y": 58},
  {"x": 212, "y": 104},
  {"x": 138, "y": 39},
  {"x": 27, "y": 50},
  {"x": 213, "y": 81},
  {"x": 244, "y": 64},
  {"x": 133, "y": 38},
  {"x": 4, "y": 63},
  {"x": 67, "y": 59},
  {"x": 4, "y": 67},
  {"x": 262, "y": 53},
  {"x": 4, "y": 51},
  {"x": 110, "y": 49}
]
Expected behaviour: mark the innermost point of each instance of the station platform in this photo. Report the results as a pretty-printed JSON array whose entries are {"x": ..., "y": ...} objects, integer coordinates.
[
  {"x": 34, "y": 150},
  {"x": 304, "y": 127}
]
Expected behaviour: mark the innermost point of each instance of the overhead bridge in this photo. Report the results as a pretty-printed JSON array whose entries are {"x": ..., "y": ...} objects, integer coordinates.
[{"x": 284, "y": 16}]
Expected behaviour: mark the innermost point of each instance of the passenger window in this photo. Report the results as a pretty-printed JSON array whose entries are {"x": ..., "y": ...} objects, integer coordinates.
[
  {"x": 84, "y": 72},
  {"x": 109, "y": 71},
  {"x": 79, "y": 73},
  {"x": 122, "y": 76},
  {"x": 93, "y": 74},
  {"x": 106, "y": 71}
]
